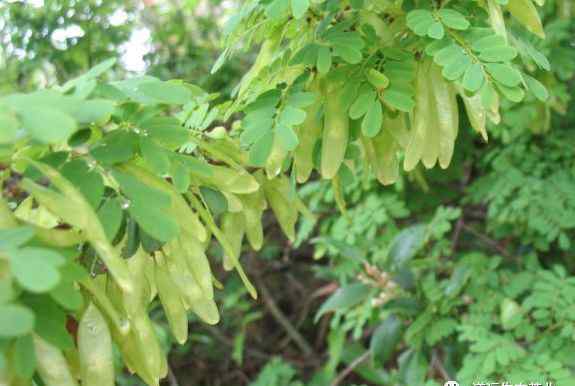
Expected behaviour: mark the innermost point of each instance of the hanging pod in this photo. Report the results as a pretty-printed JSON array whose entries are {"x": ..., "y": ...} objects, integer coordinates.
[
  {"x": 421, "y": 118},
  {"x": 386, "y": 163},
  {"x": 218, "y": 234},
  {"x": 277, "y": 192},
  {"x": 308, "y": 134},
  {"x": 447, "y": 114},
  {"x": 73, "y": 208},
  {"x": 233, "y": 227},
  {"x": 198, "y": 264},
  {"x": 476, "y": 113},
  {"x": 435, "y": 120},
  {"x": 276, "y": 158},
  {"x": 254, "y": 205},
  {"x": 229, "y": 180},
  {"x": 171, "y": 301},
  {"x": 52, "y": 365},
  {"x": 335, "y": 134},
  {"x": 95, "y": 349}
]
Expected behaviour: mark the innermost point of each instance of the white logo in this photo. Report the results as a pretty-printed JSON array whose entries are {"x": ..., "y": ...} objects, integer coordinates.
[{"x": 451, "y": 383}]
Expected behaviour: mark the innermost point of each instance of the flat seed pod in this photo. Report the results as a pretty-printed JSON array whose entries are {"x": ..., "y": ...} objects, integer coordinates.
[
  {"x": 335, "y": 133},
  {"x": 52, "y": 365},
  {"x": 308, "y": 133},
  {"x": 95, "y": 349},
  {"x": 254, "y": 204},
  {"x": 277, "y": 194},
  {"x": 198, "y": 264},
  {"x": 171, "y": 301},
  {"x": 233, "y": 227},
  {"x": 476, "y": 113},
  {"x": 385, "y": 149},
  {"x": 276, "y": 158},
  {"x": 526, "y": 13},
  {"x": 234, "y": 181},
  {"x": 421, "y": 119},
  {"x": 447, "y": 114}
]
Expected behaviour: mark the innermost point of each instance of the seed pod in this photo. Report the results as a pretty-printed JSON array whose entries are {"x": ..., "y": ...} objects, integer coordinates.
[
  {"x": 171, "y": 301},
  {"x": 277, "y": 192},
  {"x": 476, "y": 113},
  {"x": 308, "y": 134},
  {"x": 254, "y": 204},
  {"x": 421, "y": 119},
  {"x": 276, "y": 159},
  {"x": 95, "y": 349},
  {"x": 52, "y": 365},
  {"x": 233, "y": 227},
  {"x": 387, "y": 163},
  {"x": 229, "y": 180},
  {"x": 198, "y": 264},
  {"x": 335, "y": 133},
  {"x": 446, "y": 112}
]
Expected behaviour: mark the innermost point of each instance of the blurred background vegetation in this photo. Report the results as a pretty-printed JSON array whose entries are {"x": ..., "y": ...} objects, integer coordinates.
[{"x": 472, "y": 266}]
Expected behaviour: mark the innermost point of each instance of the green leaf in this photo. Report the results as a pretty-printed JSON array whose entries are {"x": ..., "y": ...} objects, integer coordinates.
[
  {"x": 117, "y": 147},
  {"x": 419, "y": 21},
  {"x": 323, "y": 60},
  {"x": 455, "y": 69},
  {"x": 488, "y": 43},
  {"x": 36, "y": 269},
  {"x": 277, "y": 9},
  {"x": 291, "y": 116},
  {"x": 87, "y": 181},
  {"x": 155, "y": 156},
  {"x": 504, "y": 74},
  {"x": 9, "y": 126},
  {"x": 436, "y": 31},
  {"x": 299, "y": 7},
  {"x": 371, "y": 124},
  {"x": 377, "y": 79},
  {"x": 407, "y": 243},
  {"x": 94, "y": 110},
  {"x": 362, "y": 104},
  {"x": 261, "y": 150},
  {"x": 348, "y": 53},
  {"x": 498, "y": 54},
  {"x": 50, "y": 321},
  {"x": 399, "y": 100},
  {"x": 385, "y": 339},
  {"x": 15, "y": 320},
  {"x": 166, "y": 92},
  {"x": 47, "y": 125},
  {"x": 287, "y": 137},
  {"x": 473, "y": 78},
  {"x": 110, "y": 215},
  {"x": 453, "y": 19},
  {"x": 15, "y": 237},
  {"x": 24, "y": 357},
  {"x": 344, "y": 298},
  {"x": 537, "y": 88}
]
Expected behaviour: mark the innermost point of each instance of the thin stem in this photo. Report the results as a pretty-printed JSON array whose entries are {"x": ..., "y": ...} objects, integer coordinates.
[{"x": 349, "y": 369}]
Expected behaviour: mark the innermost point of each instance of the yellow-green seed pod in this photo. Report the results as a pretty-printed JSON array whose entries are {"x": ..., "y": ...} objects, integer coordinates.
[
  {"x": 52, "y": 365},
  {"x": 308, "y": 134},
  {"x": 421, "y": 119},
  {"x": 277, "y": 192},
  {"x": 95, "y": 349},
  {"x": 233, "y": 227},
  {"x": 387, "y": 164},
  {"x": 254, "y": 205},
  {"x": 276, "y": 159},
  {"x": 335, "y": 132},
  {"x": 446, "y": 112},
  {"x": 171, "y": 302}
]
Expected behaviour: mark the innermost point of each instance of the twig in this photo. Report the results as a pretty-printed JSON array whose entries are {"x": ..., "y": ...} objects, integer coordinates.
[
  {"x": 172, "y": 377},
  {"x": 279, "y": 316},
  {"x": 487, "y": 240},
  {"x": 349, "y": 369},
  {"x": 436, "y": 363}
]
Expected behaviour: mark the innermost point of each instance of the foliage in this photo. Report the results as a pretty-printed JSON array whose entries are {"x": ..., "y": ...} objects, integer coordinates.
[{"x": 116, "y": 192}]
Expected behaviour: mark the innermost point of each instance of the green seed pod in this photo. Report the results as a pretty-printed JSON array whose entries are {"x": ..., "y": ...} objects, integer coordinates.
[
  {"x": 95, "y": 349},
  {"x": 52, "y": 365}
]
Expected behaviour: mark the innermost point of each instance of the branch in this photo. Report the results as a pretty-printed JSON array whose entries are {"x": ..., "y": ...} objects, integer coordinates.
[
  {"x": 279, "y": 316},
  {"x": 349, "y": 369}
]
